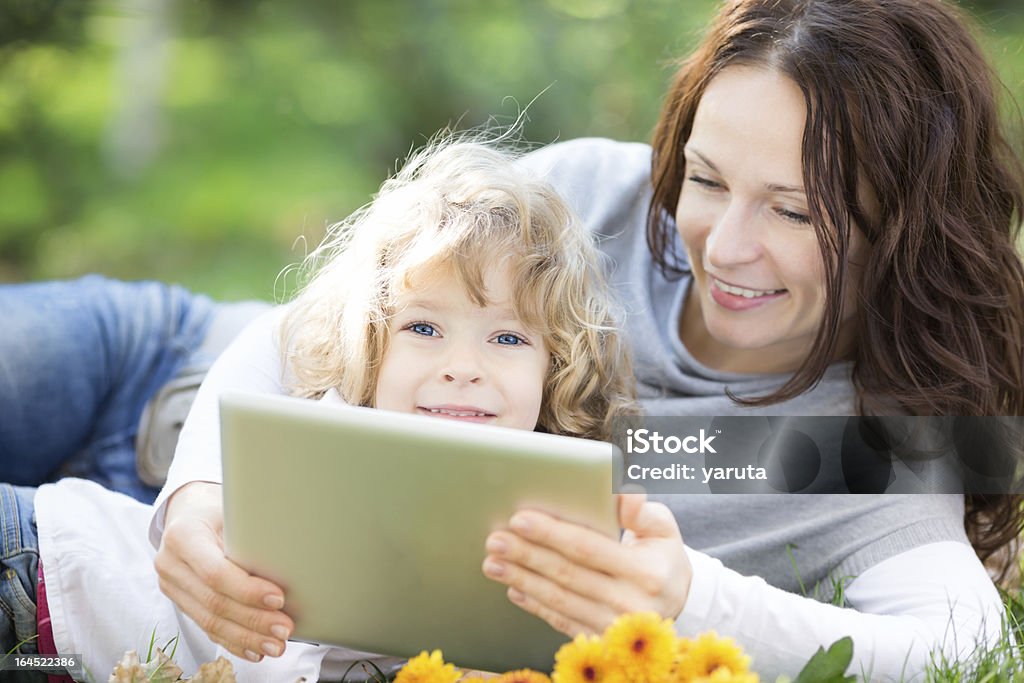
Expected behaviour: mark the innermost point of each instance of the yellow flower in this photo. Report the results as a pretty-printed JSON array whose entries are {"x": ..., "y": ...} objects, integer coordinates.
[
  {"x": 523, "y": 676},
  {"x": 724, "y": 675},
  {"x": 643, "y": 646},
  {"x": 584, "y": 660},
  {"x": 427, "y": 668},
  {"x": 701, "y": 659}
]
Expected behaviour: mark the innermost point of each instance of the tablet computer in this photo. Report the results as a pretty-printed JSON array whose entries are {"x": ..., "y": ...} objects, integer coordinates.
[{"x": 374, "y": 522}]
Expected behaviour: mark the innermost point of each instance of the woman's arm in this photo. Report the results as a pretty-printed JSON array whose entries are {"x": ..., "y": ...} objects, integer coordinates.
[
  {"x": 238, "y": 611},
  {"x": 934, "y": 597}
]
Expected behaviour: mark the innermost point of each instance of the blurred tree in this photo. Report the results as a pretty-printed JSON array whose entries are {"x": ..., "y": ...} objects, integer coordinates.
[
  {"x": 41, "y": 21},
  {"x": 196, "y": 140}
]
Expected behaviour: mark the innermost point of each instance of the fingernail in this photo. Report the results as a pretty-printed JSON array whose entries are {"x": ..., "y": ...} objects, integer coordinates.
[
  {"x": 515, "y": 595},
  {"x": 252, "y": 656},
  {"x": 273, "y": 601},
  {"x": 493, "y": 568},
  {"x": 272, "y": 649},
  {"x": 496, "y": 545},
  {"x": 520, "y": 523},
  {"x": 279, "y": 632}
]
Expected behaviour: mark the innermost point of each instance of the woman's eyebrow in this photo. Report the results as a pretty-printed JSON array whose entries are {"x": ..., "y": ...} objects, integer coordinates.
[
  {"x": 795, "y": 189},
  {"x": 771, "y": 187},
  {"x": 690, "y": 150}
]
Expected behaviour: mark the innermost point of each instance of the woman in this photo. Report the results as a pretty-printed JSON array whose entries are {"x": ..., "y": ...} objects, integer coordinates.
[
  {"x": 853, "y": 144},
  {"x": 845, "y": 203}
]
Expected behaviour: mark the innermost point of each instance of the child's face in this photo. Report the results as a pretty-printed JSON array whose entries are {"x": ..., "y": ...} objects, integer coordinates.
[{"x": 452, "y": 359}]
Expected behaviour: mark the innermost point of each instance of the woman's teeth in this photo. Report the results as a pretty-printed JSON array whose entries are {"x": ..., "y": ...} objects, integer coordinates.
[{"x": 745, "y": 293}]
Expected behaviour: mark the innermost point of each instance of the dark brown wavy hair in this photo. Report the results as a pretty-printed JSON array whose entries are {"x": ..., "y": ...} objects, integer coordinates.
[{"x": 900, "y": 99}]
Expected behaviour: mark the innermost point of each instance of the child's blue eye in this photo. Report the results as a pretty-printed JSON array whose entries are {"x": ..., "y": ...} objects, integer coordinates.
[
  {"x": 426, "y": 329},
  {"x": 509, "y": 339}
]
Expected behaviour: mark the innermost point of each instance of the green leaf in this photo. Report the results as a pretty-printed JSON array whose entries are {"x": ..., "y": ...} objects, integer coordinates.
[{"x": 829, "y": 666}]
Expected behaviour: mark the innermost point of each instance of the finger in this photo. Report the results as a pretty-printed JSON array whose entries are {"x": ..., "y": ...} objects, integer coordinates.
[
  {"x": 244, "y": 630},
  {"x": 581, "y": 545},
  {"x": 506, "y": 548},
  {"x": 208, "y": 587},
  {"x": 229, "y": 635},
  {"x": 208, "y": 562},
  {"x": 563, "y": 609},
  {"x": 556, "y": 620},
  {"x": 194, "y": 533}
]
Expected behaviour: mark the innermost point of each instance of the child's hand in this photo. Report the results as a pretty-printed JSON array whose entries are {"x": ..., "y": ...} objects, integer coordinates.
[
  {"x": 238, "y": 611},
  {"x": 578, "y": 580}
]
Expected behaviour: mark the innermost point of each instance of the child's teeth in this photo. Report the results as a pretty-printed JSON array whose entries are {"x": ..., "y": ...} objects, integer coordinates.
[{"x": 457, "y": 413}]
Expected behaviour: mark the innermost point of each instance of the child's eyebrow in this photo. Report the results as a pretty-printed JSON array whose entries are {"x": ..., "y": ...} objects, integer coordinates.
[
  {"x": 503, "y": 313},
  {"x": 419, "y": 303}
]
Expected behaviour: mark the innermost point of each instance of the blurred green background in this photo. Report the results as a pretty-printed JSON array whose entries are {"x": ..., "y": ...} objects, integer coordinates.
[{"x": 198, "y": 142}]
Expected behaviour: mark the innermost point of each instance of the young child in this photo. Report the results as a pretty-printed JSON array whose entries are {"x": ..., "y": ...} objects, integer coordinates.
[{"x": 466, "y": 291}]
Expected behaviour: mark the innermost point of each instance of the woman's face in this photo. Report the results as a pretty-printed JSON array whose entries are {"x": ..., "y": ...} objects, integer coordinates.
[{"x": 758, "y": 292}]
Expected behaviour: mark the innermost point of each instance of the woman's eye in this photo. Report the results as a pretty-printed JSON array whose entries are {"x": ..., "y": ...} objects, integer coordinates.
[
  {"x": 705, "y": 182},
  {"x": 425, "y": 329},
  {"x": 510, "y": 339},
  {"x": 794, "y": 217}
]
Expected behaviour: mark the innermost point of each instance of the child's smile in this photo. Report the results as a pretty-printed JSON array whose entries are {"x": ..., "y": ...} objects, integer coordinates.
[{"x": 450, "y": 358}]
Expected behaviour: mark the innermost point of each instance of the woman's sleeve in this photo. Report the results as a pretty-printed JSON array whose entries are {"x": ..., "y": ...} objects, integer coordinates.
[
  {"x": 251, "y": 363},
  {"x": 935, "y": 597}
]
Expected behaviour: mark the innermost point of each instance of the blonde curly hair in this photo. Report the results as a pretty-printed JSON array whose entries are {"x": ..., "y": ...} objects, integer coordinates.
[{"x": 463, "y": 205}]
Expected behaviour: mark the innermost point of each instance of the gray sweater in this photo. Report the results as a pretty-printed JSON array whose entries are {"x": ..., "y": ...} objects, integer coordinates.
[{"x": 788, "y": 540}]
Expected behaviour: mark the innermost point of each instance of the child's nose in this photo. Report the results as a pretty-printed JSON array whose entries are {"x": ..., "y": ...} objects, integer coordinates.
[
  {"x": 462, "y": 367},
  {"x": 461, "y": 377}
]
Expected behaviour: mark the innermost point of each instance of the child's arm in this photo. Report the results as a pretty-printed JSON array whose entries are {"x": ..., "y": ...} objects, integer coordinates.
[{"x": 237, "y": 610}]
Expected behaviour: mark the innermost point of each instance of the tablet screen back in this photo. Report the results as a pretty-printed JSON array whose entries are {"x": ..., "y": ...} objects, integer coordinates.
[{"x": 374, "y": 522}]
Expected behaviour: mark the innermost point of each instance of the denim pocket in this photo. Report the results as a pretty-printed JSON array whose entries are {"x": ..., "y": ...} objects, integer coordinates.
[
  {"x": 20, "y": 611},
  {"x": 19, "y": 567}
]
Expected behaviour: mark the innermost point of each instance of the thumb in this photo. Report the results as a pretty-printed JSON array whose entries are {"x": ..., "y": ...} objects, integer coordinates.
[
  {"x": 642, "y": 519},
  {"x": 629, "y": 505}
]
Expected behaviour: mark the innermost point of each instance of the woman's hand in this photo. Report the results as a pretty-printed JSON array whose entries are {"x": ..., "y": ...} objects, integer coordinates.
[
  {"x": 238, "y": 611},
  {"x": 579, "y": 580}
]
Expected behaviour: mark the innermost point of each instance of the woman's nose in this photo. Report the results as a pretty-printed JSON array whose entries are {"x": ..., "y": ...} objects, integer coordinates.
[{"x": 734, "y": 237}]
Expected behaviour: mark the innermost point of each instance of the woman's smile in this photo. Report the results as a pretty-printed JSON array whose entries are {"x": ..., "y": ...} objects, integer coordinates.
[{"x": 736, "y": 298}]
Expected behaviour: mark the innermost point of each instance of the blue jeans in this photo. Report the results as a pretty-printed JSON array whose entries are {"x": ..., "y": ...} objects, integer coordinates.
[
  {"x": 19, "y": 564},
  {"x": 78, "y": 362}
]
